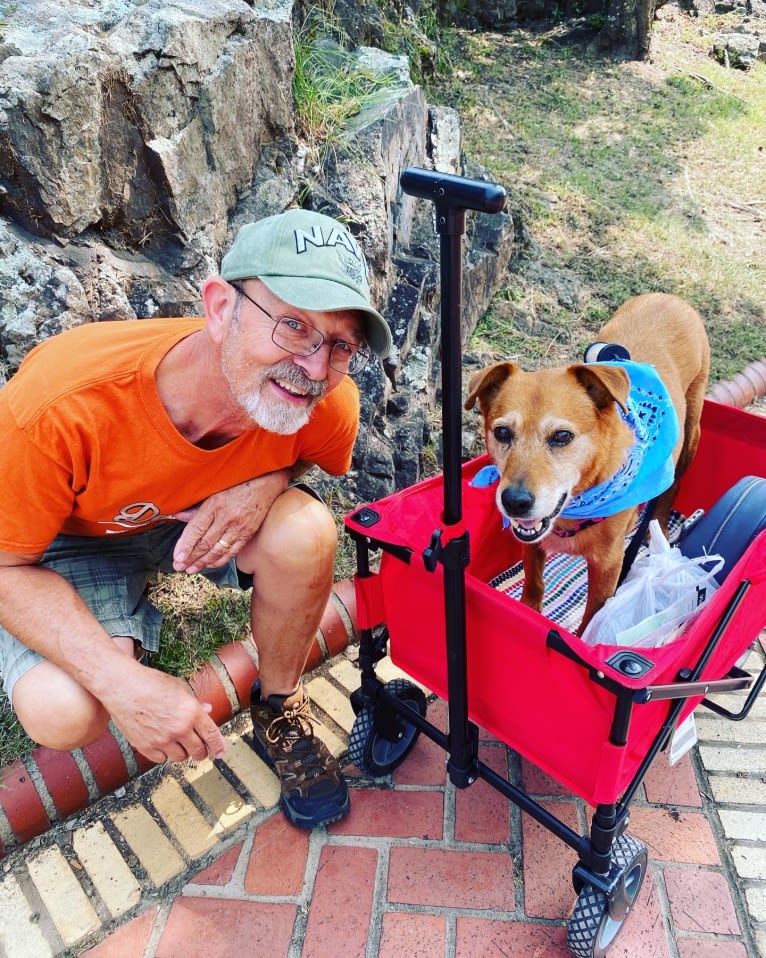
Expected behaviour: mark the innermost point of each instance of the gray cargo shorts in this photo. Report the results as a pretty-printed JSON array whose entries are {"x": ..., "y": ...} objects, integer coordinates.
[{"x": 111, "y": 575}]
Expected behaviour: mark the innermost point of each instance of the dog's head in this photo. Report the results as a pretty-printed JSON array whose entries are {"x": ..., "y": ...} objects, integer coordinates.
[{"x": 552, "y": 434}]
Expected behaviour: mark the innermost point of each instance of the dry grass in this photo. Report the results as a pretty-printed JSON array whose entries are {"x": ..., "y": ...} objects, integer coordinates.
[
  {"x": 198, "y": 619},
  {"x": 630, "y": 177}
]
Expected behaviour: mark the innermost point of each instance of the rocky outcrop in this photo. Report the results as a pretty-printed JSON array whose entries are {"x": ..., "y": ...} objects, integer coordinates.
[
  {"x": 139, "y": 124},
  {"x": 128, "y": 133},
  {"x": 741, "y": 50},
  {"x": 743, "y": 44},
  {"x": 137, "y": 135}
]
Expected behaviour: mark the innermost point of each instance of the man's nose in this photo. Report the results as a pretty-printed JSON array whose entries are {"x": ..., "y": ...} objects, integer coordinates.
[{"x": 317, "y": 365}]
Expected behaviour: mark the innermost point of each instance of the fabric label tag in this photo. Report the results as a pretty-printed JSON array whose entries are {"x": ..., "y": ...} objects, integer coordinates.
[{"x": 683, "y": 738}]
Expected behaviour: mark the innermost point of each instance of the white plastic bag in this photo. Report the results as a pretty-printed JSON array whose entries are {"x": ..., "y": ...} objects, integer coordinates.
[{"x": 660, "y": 594}]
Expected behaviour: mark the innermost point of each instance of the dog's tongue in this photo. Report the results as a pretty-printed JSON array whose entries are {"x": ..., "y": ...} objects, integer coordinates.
[{"x": 527, "y": 524}]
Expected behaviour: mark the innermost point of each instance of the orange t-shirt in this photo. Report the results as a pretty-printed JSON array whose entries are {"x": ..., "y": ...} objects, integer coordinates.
[{"x": 88, "y": 448}]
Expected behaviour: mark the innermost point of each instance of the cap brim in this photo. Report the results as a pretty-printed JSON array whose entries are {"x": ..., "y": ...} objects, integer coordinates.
[{"x": 321, "y": 295}]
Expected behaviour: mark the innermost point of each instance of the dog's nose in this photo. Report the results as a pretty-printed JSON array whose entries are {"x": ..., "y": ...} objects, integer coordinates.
[{"x": 517, "y": 500}]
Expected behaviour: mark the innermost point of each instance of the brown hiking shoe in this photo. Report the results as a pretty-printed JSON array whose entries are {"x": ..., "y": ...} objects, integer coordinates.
[{"x": 314, "y": 791}]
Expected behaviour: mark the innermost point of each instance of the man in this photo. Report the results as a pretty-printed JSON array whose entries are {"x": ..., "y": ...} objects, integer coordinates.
[{"x": 161, "y": 445}]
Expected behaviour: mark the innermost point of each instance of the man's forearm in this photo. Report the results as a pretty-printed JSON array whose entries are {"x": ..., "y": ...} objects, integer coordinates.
[
  {"x": 157, "y": 713},
  {"x": 45, "y": 613},
  {"x": 218, "y": 528}
]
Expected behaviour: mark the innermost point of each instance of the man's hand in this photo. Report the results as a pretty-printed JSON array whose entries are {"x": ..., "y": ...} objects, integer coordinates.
[
  {"x": 161, "y": 718},
  {"x": 221, "y": 525},
  {"x": 158, "y": 714}
]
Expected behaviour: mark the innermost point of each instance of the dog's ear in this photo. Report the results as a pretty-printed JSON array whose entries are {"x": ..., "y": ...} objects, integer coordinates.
[
  {"x": 485, "y": 384},
  {"x": 604, "y": 384}
]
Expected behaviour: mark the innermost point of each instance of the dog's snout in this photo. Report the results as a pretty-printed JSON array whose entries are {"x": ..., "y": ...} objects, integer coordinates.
[{"x": 517, "y": 500}]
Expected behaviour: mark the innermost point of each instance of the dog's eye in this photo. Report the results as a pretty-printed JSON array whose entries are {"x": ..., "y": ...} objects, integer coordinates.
[
  {"x": 562, "y": 437},
  {"x": 503, "y": 434}
]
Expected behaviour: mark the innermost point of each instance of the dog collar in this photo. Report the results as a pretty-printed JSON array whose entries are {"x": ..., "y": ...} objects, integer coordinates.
[{"x": 573, "y": 530}]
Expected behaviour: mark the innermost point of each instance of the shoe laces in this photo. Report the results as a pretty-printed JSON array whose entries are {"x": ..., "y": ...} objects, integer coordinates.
[{"x": 294, "y": 723}]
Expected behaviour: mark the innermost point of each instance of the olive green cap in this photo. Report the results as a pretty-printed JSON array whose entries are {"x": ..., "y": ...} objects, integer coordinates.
[{"x": 310, "y": 261}]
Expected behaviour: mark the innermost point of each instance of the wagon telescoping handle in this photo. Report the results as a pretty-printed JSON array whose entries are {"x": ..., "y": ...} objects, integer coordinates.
[
  {"x": 452, "y": 196},
  {"x": 453, "y": 191}
]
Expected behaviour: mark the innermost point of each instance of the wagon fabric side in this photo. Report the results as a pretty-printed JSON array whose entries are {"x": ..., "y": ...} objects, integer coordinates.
[{"x": 567, "y": 707}]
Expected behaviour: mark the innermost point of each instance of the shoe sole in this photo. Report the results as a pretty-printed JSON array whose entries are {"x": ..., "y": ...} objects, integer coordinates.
[
  {"x": 291, "y": 814},
  {"x": 315, "y": 821}
]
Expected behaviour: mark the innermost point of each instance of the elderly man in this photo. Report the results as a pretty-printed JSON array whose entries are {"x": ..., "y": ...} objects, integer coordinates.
[{"x": 172, "y": 445}]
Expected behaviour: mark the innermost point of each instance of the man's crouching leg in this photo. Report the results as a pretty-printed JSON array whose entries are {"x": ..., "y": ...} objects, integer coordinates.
[
  {"x": 292, "y": 561},
  {"x": 57, "y": 712}
]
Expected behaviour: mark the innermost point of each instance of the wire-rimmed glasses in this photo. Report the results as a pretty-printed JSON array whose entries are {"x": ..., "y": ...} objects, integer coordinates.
[{"x": 302, "y": 339}]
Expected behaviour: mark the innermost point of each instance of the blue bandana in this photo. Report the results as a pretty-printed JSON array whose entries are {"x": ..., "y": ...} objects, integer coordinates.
[{"x": 648, "y": 469}]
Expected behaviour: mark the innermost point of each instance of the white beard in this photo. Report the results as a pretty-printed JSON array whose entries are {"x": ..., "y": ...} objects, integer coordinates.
[{"x": 271, "y": 414}]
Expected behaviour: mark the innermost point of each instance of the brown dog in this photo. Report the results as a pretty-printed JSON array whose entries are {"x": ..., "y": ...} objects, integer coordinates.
[{"x": 556, "y": 433}]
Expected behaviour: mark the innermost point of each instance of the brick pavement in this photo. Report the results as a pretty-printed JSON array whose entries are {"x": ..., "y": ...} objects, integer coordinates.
[{"x": 189, "y": 861}]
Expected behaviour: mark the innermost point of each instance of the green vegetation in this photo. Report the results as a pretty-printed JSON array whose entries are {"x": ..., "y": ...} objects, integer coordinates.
[
  {"x": 340, "y": 506},
  {"x": 7, "y": 10},
  {"x": 13, "y": 741},
  {"x": 198, "y": 618},
  {"x": 628, "y": 177},
  {"x": 330, "y": 86},
  {"x": 420, "y": 38}
]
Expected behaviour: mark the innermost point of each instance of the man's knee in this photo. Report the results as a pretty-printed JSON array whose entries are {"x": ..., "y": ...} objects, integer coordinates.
[
  {"x": 297, "y": 527},
  {"x": 55, "y": 711}
]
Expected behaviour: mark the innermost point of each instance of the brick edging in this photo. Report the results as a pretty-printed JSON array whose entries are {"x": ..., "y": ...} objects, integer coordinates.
[
  {"x": 744, "y": 388},
  {"x": 47, "y": 786}
]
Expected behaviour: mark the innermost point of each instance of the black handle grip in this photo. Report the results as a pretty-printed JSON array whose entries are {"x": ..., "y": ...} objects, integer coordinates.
[{"x": 453, "y": 191}]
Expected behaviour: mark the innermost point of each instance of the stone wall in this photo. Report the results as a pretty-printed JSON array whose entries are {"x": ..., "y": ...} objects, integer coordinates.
[{"x": 137, "y": 135}]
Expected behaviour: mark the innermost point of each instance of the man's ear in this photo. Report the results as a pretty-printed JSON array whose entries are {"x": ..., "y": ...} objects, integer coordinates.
[{"x": 218, "y": 299}]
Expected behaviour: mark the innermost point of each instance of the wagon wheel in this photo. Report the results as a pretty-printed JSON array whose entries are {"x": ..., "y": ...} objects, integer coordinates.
[
  {"x": 593, "y": 927},
  {"x": 380, "y": 739}
]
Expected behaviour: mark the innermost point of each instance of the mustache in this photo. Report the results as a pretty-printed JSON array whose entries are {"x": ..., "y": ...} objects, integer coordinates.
[{"x": 288, "y": 372}]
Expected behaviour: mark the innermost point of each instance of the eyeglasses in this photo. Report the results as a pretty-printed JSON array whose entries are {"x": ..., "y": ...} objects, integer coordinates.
[{"x": 302, "y": 339}]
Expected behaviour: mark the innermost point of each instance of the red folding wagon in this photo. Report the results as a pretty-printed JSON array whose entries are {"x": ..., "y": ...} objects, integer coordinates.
[{"x": 593, "y": 717}]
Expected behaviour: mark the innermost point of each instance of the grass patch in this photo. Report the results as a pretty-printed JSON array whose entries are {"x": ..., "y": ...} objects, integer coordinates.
[
  {"x": 630, "y": 177},
  {"x": 340, "y": 505},
  {"x": 419, "y": 37},
  {"x": 198, "y": 619},
  {"x": 14, "y": 741},
  {"x": 330, "y": 85}
]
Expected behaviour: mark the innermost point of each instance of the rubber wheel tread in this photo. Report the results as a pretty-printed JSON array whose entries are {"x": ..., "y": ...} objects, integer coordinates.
[
  {"x": 364, "y": 737},
  {"x": 591, "y": 908}
]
